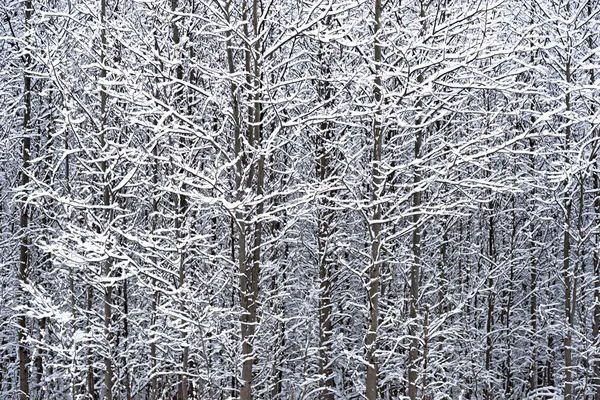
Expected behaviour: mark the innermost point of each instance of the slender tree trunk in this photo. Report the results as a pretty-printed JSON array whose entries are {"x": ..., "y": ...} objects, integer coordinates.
[
  {"x": 415, "y": 269},
  {"x": 425, "y": 351},
  {"x": 24, "y": 218},
  {"x": 324, "y": 220},
  {"x": 126, "y": 339},
  {"x": 567, "y": 273},
  {"x": 108, "y": 300},
  {"x": 180, "y": 206},
  {"x": 277, "y": 373},
  {"x": 90, "y": 379},
  {"x": 240, "y": 218},
  {"x": 155, "y": 295},
  {"x": 596, "y": 256},
  {"x": 490, "y": 305},
  {"x": 71, "y": 272},
  {"x": 375, "y": 225},
  {"x": 327, "y": 382},
  {"x": 596, "y": 312},
  {"x": 568, "y": 294},
  {"x": 154, "y": 379},
  {"x": 255, "y": 133},
  {"x": 533, "y": 379},
  {"x": 508, "y": 295}
]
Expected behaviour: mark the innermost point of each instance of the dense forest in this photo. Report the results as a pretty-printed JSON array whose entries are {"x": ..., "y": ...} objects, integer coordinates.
[{"x": 299, "y": 199}]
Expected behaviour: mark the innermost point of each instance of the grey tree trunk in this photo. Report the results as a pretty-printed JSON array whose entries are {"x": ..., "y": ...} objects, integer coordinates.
[
  {"x": 596, "y": 256},
  {"x": 248, "y": 270},
  {"x": 567, "y": 273},
  {"x": 596, "y": 312},
  {"x": 180, "y": 208},
  {"x": 533, "y": 380},
  {"x": 324, "y": 226},
  {"x": 90, "y": 378},
  {"x": 108, "y": 300},
  {"x": 253, "y": 270},
  {"x": 245, "y": 270},
  {"x": 23, "y": 351},
  {"x": 375, "y": 225},
  {"x": 488, "y": 391},
  {"x": 415, "y": 270},
  {"x": 155, "y": 296}
]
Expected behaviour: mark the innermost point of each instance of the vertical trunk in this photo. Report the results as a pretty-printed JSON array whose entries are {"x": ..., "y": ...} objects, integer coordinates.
[
  {"x": 490, "y": 299},
  {"x": 24, "y": 218},
  {"x": 567, "y": 273},
  {"x": 256, "y": 252},
  {"x": 46, "y": 266},
  {"x": 154, "y": 259},
  {"x": 414, "y": 276},
  {"x": 533, "y": 378},
  {"x": 415, "y": 269},
  {"x": 509, "y": 302},
  {"x": 246, "y": 323},
  {"x": 375, "y": 224},
  {"x": 568, "y": 294},
  {"x": 126, "y": 339},
  {"x": 71, "y": 272},
  {"x": 277, "y": 373},
  {"x": 180, "y": 204},
  {"x": 425, "y": 350},
  {"x": 326, "y": 383},
  {"x": 155, "y": 295},
  {"x": 239, "y": 215},
  {"x": 154, "y": 379},
  {"x": 255, "y": 132},
  {"x": 90, "y": 379},
  {"x": 108, "y": 372},
  {"x": 596, "y": 258},
  {"x": 233, "y": 390},
  {"x": 324, "y": 220},
  {"x": 240, "y": 220}
]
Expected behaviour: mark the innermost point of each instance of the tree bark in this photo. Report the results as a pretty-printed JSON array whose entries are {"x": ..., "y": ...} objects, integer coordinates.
[
  {"x": 596, "y": 312},
  {"x": 108, "y": 300},
  {"x": 533, "y": 379},
  {"x": 490, "y": 300},
  {"x": 415, "y": 270},
  {"x": 567, "y": 273},
  {"x": 23, "y": 274},
  {"x": 596, "y": 254},
  {"x": 324, "y": 220},
  {"x": 375, "y": 224}
]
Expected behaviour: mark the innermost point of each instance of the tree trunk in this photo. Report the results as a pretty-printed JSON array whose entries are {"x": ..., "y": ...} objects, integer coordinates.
[
  {"x": 375, "y": 225},
  {"x": 596, "y": 260},
  {"x": 490, "y": 305},
  {"x": 180, "y": 205},
  {"x": 24, "y": 218},
  {"x": 567, "y": 273},
  {"x": 415, "y": 270},
  {"x": 596, "y": 255},
  {"x": 108, "y": 300},
  {"x": 90, "y": 378},
  {"x": 324, "y": 221}
]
